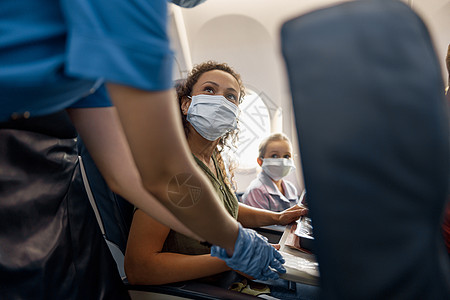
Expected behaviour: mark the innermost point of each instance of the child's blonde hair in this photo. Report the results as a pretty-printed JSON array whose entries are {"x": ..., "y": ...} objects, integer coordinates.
[{"x": 271, "y": 138}]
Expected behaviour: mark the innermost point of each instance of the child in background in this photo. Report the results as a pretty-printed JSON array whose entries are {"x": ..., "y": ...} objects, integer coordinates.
[{"x": 269, "y": 190}]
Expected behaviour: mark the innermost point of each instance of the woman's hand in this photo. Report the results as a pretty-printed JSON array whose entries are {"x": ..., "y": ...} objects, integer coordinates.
[{"x": 291, "y": 214}]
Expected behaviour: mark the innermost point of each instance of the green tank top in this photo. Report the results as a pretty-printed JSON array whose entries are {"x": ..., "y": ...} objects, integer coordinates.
[{"x": 179, "y": 243}]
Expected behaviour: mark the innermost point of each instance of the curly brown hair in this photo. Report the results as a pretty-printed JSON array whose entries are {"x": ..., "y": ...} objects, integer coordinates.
[{"x": 184, "y": 89}]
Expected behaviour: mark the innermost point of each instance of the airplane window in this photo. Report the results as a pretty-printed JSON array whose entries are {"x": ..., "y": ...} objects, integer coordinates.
[{"x": 254, "y": 124}]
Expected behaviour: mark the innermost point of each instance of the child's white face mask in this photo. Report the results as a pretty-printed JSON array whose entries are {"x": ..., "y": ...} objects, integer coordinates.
[{"x": 277, "y": 168}]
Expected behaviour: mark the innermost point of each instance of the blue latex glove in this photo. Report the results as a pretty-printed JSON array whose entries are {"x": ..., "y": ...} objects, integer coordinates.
[{"x": 253, "y": 255}]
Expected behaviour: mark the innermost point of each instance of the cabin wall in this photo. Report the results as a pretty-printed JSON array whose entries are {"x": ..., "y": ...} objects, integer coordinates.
[{"x": 436, "y": 15}]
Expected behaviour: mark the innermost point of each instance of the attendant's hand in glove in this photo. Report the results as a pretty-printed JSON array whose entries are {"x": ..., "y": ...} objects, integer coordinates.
[
  {"x": 276, "y": 246},
  {"x": 252, "y": 255}
]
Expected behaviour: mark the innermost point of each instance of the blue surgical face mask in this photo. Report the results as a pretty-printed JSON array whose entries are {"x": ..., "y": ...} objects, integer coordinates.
[
  {"x": 187, "y": 3},
  {"x": 212, "y": 116}
]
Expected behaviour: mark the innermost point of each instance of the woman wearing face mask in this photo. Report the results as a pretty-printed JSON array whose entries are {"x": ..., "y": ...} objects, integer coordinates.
[
  {"x": 209, "y": 103},
  {"x": 269, "y": 190}
]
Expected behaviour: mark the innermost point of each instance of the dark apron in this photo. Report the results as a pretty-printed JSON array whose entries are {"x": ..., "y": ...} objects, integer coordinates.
[{"x": 50, "y": 244}]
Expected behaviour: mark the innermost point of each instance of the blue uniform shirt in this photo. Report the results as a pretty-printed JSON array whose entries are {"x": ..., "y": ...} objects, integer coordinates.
[{"x": 53, "y": 53}]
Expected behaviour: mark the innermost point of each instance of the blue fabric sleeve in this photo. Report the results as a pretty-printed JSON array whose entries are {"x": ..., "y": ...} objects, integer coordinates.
[
  {"x": 99, "y": 98},
  {"x": 125, "y": 42}
]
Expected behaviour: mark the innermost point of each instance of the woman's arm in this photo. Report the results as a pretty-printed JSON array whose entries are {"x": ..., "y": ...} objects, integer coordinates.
[
  {"x": 146, "y": 264},
  {"x": 255, "y": 217}
]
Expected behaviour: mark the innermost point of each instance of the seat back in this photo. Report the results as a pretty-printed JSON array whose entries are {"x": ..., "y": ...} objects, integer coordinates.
[
  {"x": 374, "y": 141},
  {"x": 113, "y": 213}
]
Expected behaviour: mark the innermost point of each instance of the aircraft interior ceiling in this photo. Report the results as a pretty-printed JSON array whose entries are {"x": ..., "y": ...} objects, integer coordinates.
[{"x": 245, "y": 34}]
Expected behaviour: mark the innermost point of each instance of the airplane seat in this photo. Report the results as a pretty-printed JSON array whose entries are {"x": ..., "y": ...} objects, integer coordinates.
[
  {"x": 114, "y": 215},
  {"x": 239, "y": 196},
  {"x": 373, "y": 130}
]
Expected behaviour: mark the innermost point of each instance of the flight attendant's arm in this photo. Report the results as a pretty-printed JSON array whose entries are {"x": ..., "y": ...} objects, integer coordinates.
[{"x": 103, "y": 135}]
